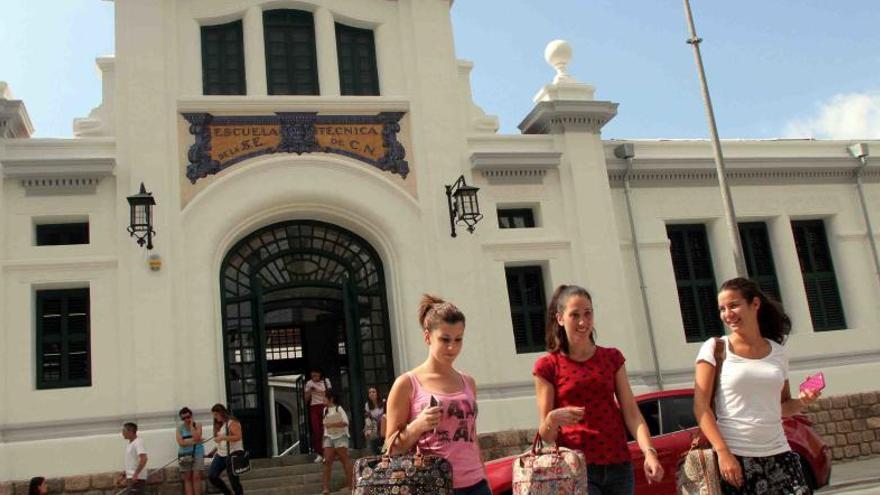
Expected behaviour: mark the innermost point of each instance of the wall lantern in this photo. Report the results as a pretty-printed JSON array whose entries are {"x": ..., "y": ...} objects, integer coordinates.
[
  {"x": 463, "y": 205},
  {"x": 141, "y": 223}
]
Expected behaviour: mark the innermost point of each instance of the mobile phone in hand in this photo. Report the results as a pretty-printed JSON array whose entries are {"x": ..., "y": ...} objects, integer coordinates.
[{"x": 813, "y": 383}]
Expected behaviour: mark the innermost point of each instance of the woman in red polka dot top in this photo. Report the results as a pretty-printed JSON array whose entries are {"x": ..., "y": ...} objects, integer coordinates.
[{"x": 576, "y": 383}]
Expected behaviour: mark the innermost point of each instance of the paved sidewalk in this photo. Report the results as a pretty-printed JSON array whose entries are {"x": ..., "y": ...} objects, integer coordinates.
[{"x": 849, "y": 475}]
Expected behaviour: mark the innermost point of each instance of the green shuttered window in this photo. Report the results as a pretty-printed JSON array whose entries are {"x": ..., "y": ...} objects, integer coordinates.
[
  {"x": 63, "y": 340},
  {"x": 817, "y": 269},
  {"x": 223, "y": 59},
  {"x": 356, "y": 51},
  {"x": 759, "y": 257},
  {"x": 525, "y": 291},
  {"x": 291, "y": 60},
  {"x": 695, "y": 280}
]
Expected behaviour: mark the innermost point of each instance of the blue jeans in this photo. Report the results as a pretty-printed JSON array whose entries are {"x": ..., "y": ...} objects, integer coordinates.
[
  {"x": 481, "y": 488},
  {"x": 218, "y": 465},
  {"x": 611, "y": 479}
]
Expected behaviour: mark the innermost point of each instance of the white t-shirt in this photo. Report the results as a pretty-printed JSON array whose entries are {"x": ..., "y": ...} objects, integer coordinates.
[
  {"x": 132, "y": 452},
  {"x": 335, "y": 415},
  {"x": 318, "y": 389},
  {"x": 748, "y": 402}
]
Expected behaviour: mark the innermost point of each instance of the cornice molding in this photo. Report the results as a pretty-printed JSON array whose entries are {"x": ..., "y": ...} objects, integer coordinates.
[
  {"x": 556, "y": 117},
  {"x": 703, "y": 176},
  {"x": 14, "y": 120},
  {"x": 238, "y": 105},
  {"x": 51, "y": 176},
  {"x": 57, "y": 265},
  {"x": 535, "y": 250},
  {"x": 515, "y": 167}
]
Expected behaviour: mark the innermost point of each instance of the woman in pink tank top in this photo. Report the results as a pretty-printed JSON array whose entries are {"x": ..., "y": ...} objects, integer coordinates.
[{"x": 435, "y": 406}]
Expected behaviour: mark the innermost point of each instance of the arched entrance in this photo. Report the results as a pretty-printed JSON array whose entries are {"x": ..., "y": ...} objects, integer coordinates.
[{"x": 296, "y": 296}]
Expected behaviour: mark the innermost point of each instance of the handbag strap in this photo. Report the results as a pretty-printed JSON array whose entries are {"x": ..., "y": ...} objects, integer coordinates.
[
  {"x": 720, "y": 353},
  {"x": 537, "y": 441}
]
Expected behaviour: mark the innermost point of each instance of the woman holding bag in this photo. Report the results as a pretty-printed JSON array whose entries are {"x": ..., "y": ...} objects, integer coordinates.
[
  {"x": 752, "y": 396},
  {"x": 576, "y": 384},
  {"x": 228, "y": 437},
  {"x": 435, "y": 405}
]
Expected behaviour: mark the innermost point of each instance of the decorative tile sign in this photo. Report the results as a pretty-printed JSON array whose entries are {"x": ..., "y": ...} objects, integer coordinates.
[{"x": 223, "y": 141}]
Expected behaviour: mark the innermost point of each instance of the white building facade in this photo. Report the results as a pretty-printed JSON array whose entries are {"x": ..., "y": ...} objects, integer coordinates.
[{"x": 298, "y": 153}]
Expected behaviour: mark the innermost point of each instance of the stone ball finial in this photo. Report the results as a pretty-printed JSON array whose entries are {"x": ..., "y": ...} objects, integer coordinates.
[{"x": 558, "y": 53}]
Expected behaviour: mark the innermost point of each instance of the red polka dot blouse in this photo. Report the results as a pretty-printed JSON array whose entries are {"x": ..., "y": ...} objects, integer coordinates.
[{"x": 601, "y": 435}]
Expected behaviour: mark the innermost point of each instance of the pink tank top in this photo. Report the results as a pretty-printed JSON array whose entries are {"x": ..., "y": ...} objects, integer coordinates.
[{"x": 455, "y": 438}]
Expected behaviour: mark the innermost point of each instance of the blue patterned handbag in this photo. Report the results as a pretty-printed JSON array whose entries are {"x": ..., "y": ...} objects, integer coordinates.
[{"x": 402, "y": 474}]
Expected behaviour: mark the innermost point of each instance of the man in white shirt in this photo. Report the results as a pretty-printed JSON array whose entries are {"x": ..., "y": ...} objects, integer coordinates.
[{"x": 135, "y": 461}]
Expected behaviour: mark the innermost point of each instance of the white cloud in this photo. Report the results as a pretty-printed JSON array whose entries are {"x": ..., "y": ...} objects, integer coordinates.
[{"x": 845, "y": 116}]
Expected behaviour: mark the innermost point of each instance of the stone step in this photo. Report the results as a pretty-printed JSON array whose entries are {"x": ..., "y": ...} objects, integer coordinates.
[{"x": 301, "y": 481}]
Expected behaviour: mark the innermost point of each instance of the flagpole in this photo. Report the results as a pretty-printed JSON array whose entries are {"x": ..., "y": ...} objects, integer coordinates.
[{"x": 729, "y": 213}]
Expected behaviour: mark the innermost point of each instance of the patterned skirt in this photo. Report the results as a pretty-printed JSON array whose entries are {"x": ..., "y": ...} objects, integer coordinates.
[{"x": 779, "y": 474}]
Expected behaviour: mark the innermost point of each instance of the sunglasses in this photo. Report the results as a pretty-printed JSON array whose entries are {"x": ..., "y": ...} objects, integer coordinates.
[{"x": 186, "y": 417}]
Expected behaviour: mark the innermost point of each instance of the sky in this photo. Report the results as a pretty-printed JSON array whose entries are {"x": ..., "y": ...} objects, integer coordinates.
[{"x": 783, "y": 68}]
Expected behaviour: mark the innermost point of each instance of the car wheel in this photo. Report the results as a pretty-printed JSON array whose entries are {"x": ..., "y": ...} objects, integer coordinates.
[{"x": 808, "y": 472}]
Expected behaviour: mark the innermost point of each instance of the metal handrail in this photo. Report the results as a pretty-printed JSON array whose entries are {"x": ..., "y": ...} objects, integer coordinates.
[{"x": 289, "y": 450}]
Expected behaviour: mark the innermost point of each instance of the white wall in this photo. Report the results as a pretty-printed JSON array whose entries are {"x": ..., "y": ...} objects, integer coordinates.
[{"x": 157, "y": 335}]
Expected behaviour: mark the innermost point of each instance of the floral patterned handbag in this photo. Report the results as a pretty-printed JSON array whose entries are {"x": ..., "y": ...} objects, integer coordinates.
[
  {"x": 698, "y": 473},
  {"x": 403, "y": 474},
  {"x": 556, "y": 470}
]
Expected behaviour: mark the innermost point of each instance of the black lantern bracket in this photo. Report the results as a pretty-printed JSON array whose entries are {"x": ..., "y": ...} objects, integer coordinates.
[
  {"x": 141, "y": 221},
  {"x": 464, "y": 207}
]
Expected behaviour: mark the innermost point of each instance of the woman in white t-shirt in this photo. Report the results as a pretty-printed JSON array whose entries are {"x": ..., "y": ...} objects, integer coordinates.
[
  {"x": 315, "y": 389},
  {"x": 336, "y": 438},
  {"x": 753, "y": 395}
]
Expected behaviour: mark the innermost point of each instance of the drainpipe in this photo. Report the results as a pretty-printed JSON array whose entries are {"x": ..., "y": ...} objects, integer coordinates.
[
  {"x": 859, "y": 151},
  {"x": 626, "y": 151}
]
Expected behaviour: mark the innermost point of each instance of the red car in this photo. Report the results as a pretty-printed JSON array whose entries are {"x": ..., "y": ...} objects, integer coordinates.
[{"x": 670, "y": 417}]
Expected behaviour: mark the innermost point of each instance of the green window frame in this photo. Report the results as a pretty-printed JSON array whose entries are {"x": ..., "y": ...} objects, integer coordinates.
[
  {"x": 291, "y": 57},
  {"x": 817, "y": 270},
  {"x": 758, "y": 254},
  {"x": 63, "y": 341},
  {"x": 356, "y": 57},
  {"x": 223, "y": 59},
  {"x": 525, "y": 292},
  {"x": 516, "y": 218},
  {"x": 695, "y": 281}
]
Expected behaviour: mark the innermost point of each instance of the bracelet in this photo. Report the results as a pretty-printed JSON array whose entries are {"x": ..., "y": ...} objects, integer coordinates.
[{"x": 650, "y": 449}]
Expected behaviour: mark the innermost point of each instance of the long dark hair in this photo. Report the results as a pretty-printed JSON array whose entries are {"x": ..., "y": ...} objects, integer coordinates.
[
  {"x": 554, "y": 332},
  {"x": 380, "y": 402},
  {"x": 227, "y": 416},
  {"x": 34, "y": 485},
  {"x": 332, "y": 397},
  {"x": 773, "y": 323}
]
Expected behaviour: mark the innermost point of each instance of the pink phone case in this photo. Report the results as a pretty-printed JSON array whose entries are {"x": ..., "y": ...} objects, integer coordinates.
[{"x": 814, "y": 383}]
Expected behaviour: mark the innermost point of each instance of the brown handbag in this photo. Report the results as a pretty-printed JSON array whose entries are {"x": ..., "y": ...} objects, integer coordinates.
[{"x": 698, "y": 473}]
